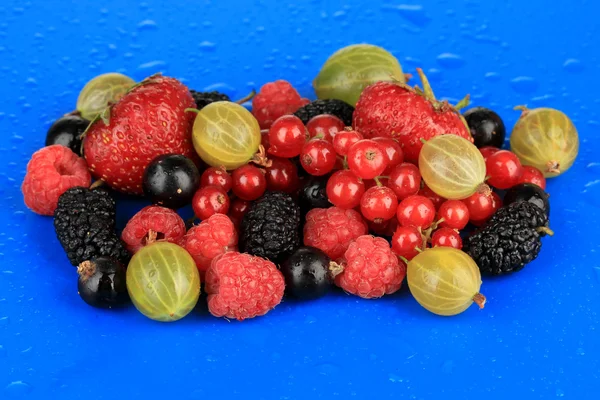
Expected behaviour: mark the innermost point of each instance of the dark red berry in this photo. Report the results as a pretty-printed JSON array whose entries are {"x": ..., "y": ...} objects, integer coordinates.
[
  {"x": 405, "y": 180},
  {"x": 383, "y": 228},
  {"x": 318, "y": 157},
  {"x": 325, "y": 125},
  {"x": 216, "y": 176},
  {"x": 446, "y": 237},
  {"x": 238, "y": 208},
  {"x": 481, "y": 206},
  {"x": 407, "y": 241},
  {"x": 344, "y": 189},
  {"x": 378, "y": 204},
  {"x": 455, "y": 214},
  {"x": 282, "y": 175},
  {"x": 264, "y": 139},
  {"x": 393, "y": 151},
  {"x": 417, "y": 211},
  {"x": 210, "y": 200},
  {"x": 287, "y": 136},
  {"x": 488, "y": 151},
  {"x": 249, "y": 182},
  {"x": 533, "y": 175},
  {"x": 496, "y": 203},
  {"x": 435, "y": 198},
  {"x": 366, "y": 159},
  {"x": 504, "y": 169},
  {"x": 343, "y": 140}
]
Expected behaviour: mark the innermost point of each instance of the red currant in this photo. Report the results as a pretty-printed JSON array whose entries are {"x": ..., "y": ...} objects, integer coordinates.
[
  {"x": 496, "y": 204},
  {"x": 407, "y": 241},
  {"x": 446, "y": 237},
  {"x": 383, "y": 228},
  {"x": 435, "y": 198},
  {"x": 455, "y": 214},
  {"x": 366, "y": 159},
  {"x": 287, "y": 135},
  {"x": 344, "y": 189},
  {"x": 405, "y": 180},
  {"x": 237, "y": 210},
  {"x": 210, "y": 200},
  {"x": 343, "y": 140},
  {"x": 282, "y": 175},
  {"x": 416, "y": 211},
  {"x": 533, "y": 175},
  {"x": 318, "y": 157},
  {"x": 264, "y": 139},
  {"x": 504, "y": 169},
  {"x": 379, "y": 203},
  {"x": 488, "y": 151},
  {"x": 325, "y": 125},
  {"x": 249, "y": 182},
  {"x": 216, "y": 176},
  {"x": 481, "y": 206},
  {"x": 393, "y": 151}
]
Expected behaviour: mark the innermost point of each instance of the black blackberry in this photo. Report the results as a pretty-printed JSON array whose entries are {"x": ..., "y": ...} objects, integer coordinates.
[
  {"x": 270, "y": 229},
  {"x": 203, "y": 99},
  {"x": 340, "y": 109},
  {"x": 530, "y": 193},
  {"x": 530, "y": 214},
  {"x": 84, "y": 222}
]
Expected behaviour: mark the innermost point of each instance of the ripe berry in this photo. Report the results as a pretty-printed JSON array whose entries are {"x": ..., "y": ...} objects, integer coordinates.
[
  {"x": 238, "y": 208},
  {"x": 274, "y": 100},
  {"x": 455, "y": 214},
  {"x": 383, "y": 228},
  {"x": 345, "y": 190},
  {"x": 249, "y": 182},
  {"x": 171, "y": 180},
  {"x": 210, "y": 200},
  {"x": 417, "y": 211},
  {"x": 67, "y": 132},
  {"x": 264, "y": 139},
  {"x": 343, "y": 140},
  {"x": 282, "y": 175},
  {"x": 393, "y": 151},
  {"x": 314, "y": 194},
  {"x": 405, "y": 180},
  {"x": 366, "y": 159},
  {"x": 101, "y": 282},
  {"x": 481, "y": 206},
  {"x": 152, "y": 223},
  {"x": 325, "y": 125},
  {"x": 306, "y": 273},
  {"x": 530, "y": 193},
  {"x": 287, "y": 136},
  {"x": 487, "y": 128},
  {"x": 435, "y": 198},
  {"x": 446, "y": 237},
  {"x": 488, "y": 151},
  {"x": 318, "y": 157},
  {"x": 534, "y": 176},
  {"x": 216, "y": 176},
  {"x": 504, "y": 169},
  {"x": 379, "y": 204},
  {"x": 407, "y": 241}
]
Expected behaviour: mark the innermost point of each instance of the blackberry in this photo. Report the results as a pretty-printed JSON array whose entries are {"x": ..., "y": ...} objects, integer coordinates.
[
  {"x": 84, "y": 222},
  {"x": 203, "y": 99},
  {"x": 530, "y": 214},
  {"x": 270, "y": 229},
  {"x": 530, "y": 193},
  {"x": 340, "y": 109}
]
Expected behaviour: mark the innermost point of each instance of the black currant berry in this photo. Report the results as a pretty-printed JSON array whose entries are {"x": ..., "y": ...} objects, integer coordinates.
[
  {"x": 486, "y": 127},
  {"x": 314, "y": 194},
  {"x": 530, "y": 193},
  {"x": 171, "y": 180},
  {"x": 67, "y": 131},
  {"x": 307, "y": 274},
  {"x": 102, "y": 282}
]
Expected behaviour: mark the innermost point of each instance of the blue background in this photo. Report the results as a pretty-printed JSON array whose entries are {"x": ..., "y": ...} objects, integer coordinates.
[{"x": 538, "y": 336}]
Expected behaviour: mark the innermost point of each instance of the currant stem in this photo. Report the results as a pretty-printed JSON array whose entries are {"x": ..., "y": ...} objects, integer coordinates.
[
  {"x": 195, "y": 110},
  {"x": 86, "y": 269},
  {"x": 260, "y": 158},
  {"x": 403, "y": 259},
  {"x": 335, "y": 269},
  {"x": 480, "y": 300},
  {"x": 248, "y": 97}
]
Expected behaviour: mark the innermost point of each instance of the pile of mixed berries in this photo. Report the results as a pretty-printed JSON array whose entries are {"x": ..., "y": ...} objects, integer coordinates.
[{"x": 290, "y": 198}]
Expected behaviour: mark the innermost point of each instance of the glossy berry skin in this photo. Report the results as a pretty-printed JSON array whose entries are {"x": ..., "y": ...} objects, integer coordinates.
[
  {"x": 326, "y": 126},
  {"x": 533, "y": 175},
  {"x": 239, "y": 208},
  {"x": 102, "y": 284},
  {"x": 210, "y": 200},
  {"x": 487, "y": 128},
  {"x": 282, "y": 175},
  {"x": 343, "y": 140},
  {"x": 488, "y": 151},
  {"x": 480, "y": 206},
  {"x": 405, "y": 180},
  {"x": 407, "y": 241},
  {"x": 216, "y": 176},
  {"x": 366, "y": 159},
  {"x": 306, "y": 273},
  {"x": 417, "y": 211},
  {"x": 318, "y": 157},
  {"x": 446, "y": 237},
  {"x": 314, "y": 194},
  {"x": 392, "y": 150},
  {"x": 528, "y": 192},
  {"x": 345, "y": 190},
  {"x": 455, "y": 214},
  {"x": 67, "y": 131},
  {"x": 435, "y": 198},
  {"x": 504, "y": 169},
  {"x": 378, "y": 204},
  {"x": 171, "y": 181},
  {"x": 249, "y": 182},
  {"x": 287, "y": 136}
]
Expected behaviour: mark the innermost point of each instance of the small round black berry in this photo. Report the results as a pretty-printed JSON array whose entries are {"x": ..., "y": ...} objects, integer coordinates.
[
  {"x": 171, "y": 180},
  {"x": 486, "y": 127},
  {"x": 314, "y": 194},
  {"x": 67, "y": 131},
  {"x": 102, "y": 282},
  {"x": 530, "y": 193},
  {"x": 306, "y": 273}
]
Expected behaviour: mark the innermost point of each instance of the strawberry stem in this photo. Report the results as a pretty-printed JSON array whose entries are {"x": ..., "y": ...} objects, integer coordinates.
[
  {"x": 426, "y": 86},
  {"x": 463, "y": 103}
]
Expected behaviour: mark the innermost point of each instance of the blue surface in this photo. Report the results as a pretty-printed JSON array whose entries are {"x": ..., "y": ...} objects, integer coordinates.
[{"x": 538, "y": 336}]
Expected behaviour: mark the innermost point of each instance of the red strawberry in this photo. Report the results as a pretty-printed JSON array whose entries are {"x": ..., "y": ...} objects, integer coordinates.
[
  {"x": 147, "y": 122},
  {"x": 408, "y": 115}
]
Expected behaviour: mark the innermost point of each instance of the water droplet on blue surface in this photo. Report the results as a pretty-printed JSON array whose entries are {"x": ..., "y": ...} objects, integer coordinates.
[
  {"x": 591, "y": 192},
  {"x": 450, "y": 60},
  {"x": 395, "y": 378},
  {"x": 207, "y": 46},
  {"x": 596, "y": 271},
  {"x": 524, "y": 84},
  {"x": 573, "y": 66},
  {"x": 580, "y": 351},
  {"x": 17, "y": 389},
  {"x": 560, "y": 393},
  {"x": 327, "y": 369},
  {"x": 153, "y": 65},
  {"x": 448, "y": 366},
  {"x": 4, "y": 321},
  {"x": 411, "y": 13},
  {"x": 147, "y": 24}
]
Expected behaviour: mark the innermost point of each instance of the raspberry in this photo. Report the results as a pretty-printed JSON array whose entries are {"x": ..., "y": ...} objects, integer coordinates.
[
  {"x": 274, "y": 100},
  {"x": 242, "y": 286},
  {"x": 163, "y": 222},
  {"x": 332, "y": 229},
  {"x": 370, "y": 268},
  {"x": 213, "y": 237},
  {"x": 50, "y": 172}
]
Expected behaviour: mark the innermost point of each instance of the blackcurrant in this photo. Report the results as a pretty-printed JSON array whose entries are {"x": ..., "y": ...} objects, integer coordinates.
[
  {"x": 306, "y": 273},
  {"x": 171, "y": 180},
  {"x": 314, "y": 194},
  {"x": 67, "y": 131},
  {"x": 102, "y": 282},
  {"x": 528, "y": 192},
  {"x": 487, "y": 128}
]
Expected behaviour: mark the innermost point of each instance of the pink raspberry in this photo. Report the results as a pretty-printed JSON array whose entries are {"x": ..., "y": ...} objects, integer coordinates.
[
  {"x": 371, "y": 269},
  {"x": 242, "y": 286},
  {"x": 213, "y": 237},
  {"x": 52, "y": 171},
  {"x": 274, "y": 100},
  {"x": 152, "y": 222},
  {"x": 332, "y": 229}
]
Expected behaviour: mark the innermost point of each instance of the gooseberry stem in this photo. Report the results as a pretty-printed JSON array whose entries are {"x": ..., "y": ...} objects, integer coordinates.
[
  {"x": 335, "y": 269},
  {"x": 553, "y": 167},
  {"x": 248, "y": 97},
  {"x": 545, "y": 230},
  {"x": 524, "y": 110},
  {"x": 480, "y": 300}
]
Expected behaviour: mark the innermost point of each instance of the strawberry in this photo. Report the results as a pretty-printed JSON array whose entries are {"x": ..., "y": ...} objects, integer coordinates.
[
  {"x": 148, "y": 121},
  {"x": 407, "y": 115}
]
